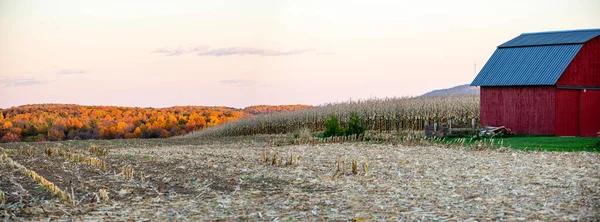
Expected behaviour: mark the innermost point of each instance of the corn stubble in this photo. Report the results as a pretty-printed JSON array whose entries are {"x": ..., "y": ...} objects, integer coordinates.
[
  {"x": 49, "y": 186},
  {"x": 127, "y": 172},
  {"x": 98, "y": 151},
  {"x": 26, "y": 152},
  {"x": 102, "y": 195},
  {"x": 53, "y": 152},
  {"x": 278, "y": 160},
  {"x": 2, "y": 198},
  {"x": 340, "y": 163}
]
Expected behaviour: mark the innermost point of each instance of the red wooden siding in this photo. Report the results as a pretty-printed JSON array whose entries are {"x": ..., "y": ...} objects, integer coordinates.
[
  {"x": 567, "y": 112},
  {"x": 589, "y": 124},
  {"x": 584, "y": 70},
  {"x": 525, "y": 110}
]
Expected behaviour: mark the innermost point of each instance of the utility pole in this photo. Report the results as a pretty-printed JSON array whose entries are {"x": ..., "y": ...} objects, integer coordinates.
[{"x": 475, "y": 69}]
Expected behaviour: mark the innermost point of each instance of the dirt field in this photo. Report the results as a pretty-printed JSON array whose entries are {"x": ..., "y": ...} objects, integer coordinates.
[{"x": 186, "y": 179}]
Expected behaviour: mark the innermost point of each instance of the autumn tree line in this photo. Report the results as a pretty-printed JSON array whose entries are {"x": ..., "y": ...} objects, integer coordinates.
[{"x": 55, "y": 122}]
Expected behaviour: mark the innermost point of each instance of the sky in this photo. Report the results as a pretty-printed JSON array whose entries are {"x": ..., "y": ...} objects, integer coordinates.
[{"x": 241, "y": 53}]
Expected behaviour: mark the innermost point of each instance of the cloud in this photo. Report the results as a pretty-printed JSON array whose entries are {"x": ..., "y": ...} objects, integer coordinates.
[
  {"x": 71, "y": 71},
  {"x": 326, "y": 53},
  {"x": 22, "y": 82},
  {"x": 161, "y": 50},
  {"x": 238, "y": 82},
  {"x": 249, "y": 51},
  {"x": 207, "y": 51},
  {"x": 181, "y": 50}
]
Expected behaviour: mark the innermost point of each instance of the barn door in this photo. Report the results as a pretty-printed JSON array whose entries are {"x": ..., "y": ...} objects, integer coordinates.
[
  {"x": 567, "y": 112},
  {"x": 589, "y": 113}
]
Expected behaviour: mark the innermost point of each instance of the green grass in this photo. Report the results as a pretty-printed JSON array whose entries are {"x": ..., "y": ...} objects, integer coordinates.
[{"x": 548, "y": 143}]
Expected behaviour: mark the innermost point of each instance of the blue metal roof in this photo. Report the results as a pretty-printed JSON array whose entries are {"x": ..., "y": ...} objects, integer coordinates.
[
  {"x": 533, "y": 59},
  {"x": 552, "y": 38},
  {"x": 540, "y": 65}
]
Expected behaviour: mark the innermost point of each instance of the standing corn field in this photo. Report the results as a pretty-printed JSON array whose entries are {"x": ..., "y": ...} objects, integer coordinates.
[{"x": 387, "y": 114}]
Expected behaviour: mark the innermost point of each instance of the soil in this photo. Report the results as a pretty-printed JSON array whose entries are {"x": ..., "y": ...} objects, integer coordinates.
[{"x": 227, "y": 179}]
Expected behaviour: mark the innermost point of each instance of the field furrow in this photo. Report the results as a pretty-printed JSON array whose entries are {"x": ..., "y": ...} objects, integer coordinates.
[{"x": 238, "y": 180}]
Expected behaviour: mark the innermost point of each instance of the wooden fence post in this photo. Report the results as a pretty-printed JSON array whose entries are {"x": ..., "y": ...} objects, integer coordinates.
[
  {"x": 449, "y": 127},
  {"x": 473, "y": 126}
]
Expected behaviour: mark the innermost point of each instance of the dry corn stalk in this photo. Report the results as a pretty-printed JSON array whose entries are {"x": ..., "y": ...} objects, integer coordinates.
[
  {"x": 98, "y": 151},
  {"x": 290, "y": 158},
  {"x": 354, "y": 167},
  {"x": 78, "y": 158},
  {"x": 3, "y": 158},
  {"x": 278, "y": 159},
  {"x": 339, "y": 162},
  {"x": 52, "y": 152},
  {"x": 390, "y": 114},
  {"x": 127, "y": 172},
  {"x": 93, "y": 161},
  {"x": 274, "y": 160},
  {"x": 343, "y": 160},
  {"x": 63, "y": 196},
  {"x": 366, "y": 168},
  {"x": 2, "y": 197},
  {"x": 265, "y": 158},
  {"x": 26, "y": 152},
  {"x": 103, "y": 195},
  {"x": 49, "y": 186},
  {"x": 9, "y": 151}
]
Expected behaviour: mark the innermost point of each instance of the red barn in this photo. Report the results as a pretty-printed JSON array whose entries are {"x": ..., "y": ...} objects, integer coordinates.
[{"x": 545, "y": 83}]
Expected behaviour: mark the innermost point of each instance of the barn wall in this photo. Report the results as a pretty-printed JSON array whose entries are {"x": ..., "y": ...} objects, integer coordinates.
[
  {"x": 567, "y": 112},
  {"x": 585, "y": 68},
  {"x": 525, "y": 110},
  {"x": 589, "y": 124}
]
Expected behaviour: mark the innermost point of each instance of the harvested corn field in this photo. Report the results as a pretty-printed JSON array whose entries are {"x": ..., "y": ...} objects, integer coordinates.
[{"x": 247, "y": 178}]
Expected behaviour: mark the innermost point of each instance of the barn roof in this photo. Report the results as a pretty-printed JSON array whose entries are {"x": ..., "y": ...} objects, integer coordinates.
[
  {"x": 552, "y": 38},
  {"x": 533, "y": 58}
]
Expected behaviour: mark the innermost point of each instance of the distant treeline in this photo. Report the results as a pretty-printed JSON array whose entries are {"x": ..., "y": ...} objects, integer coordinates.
[{"x": 56, "y": 122}]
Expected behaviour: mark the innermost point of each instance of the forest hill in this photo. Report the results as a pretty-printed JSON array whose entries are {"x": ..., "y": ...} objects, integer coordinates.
[{"x": 56, "y": 122}]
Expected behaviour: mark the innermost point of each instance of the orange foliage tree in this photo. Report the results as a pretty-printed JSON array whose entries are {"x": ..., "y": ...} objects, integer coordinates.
[{"x": 72, "y": 122}]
